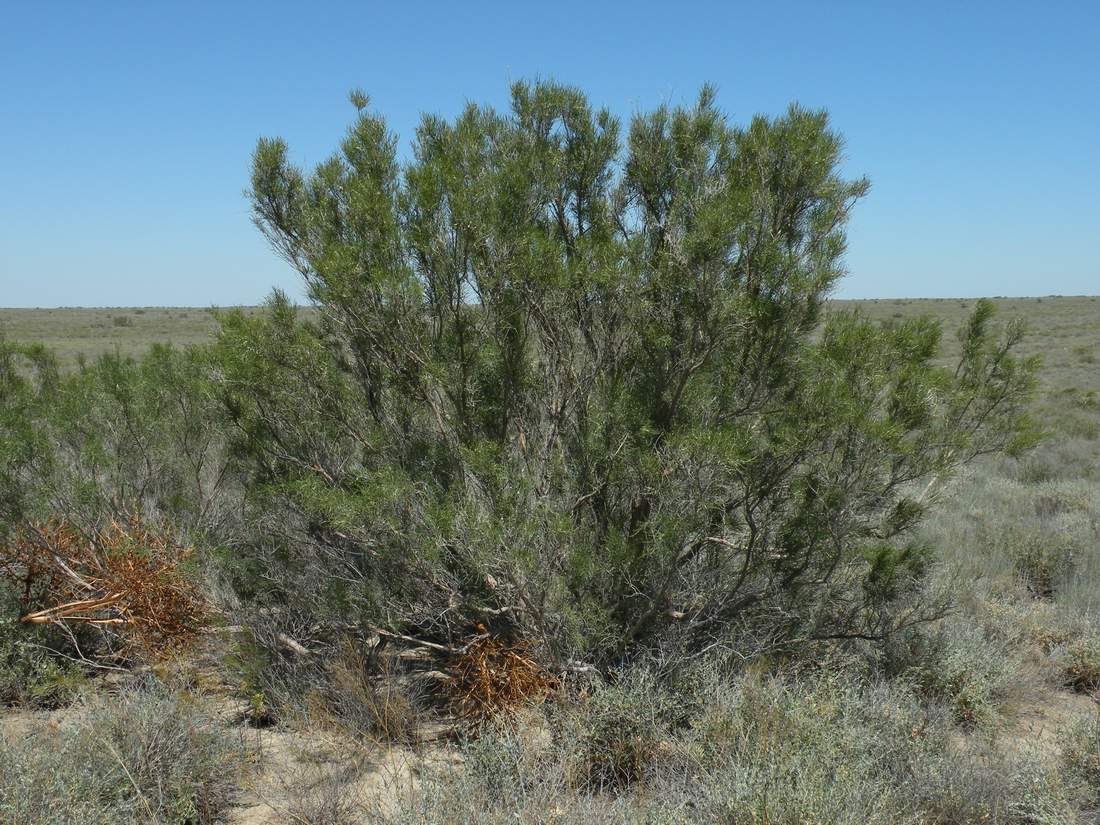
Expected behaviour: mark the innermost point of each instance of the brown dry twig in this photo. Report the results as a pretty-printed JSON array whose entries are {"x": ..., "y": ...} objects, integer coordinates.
[
  {"x": 124, "y": 577},
  {"x": 491, "y": 677}
]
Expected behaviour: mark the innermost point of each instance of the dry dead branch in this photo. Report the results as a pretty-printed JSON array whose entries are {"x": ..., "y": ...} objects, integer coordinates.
[
  {"x": 124, "y": 577},
  {"x": 491, "y": 677}
]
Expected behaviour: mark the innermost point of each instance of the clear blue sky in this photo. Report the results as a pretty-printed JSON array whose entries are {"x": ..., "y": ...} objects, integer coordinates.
[{"x": 126, "y": 128}]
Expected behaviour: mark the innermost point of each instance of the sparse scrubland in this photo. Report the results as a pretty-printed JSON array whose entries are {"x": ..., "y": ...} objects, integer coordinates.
[{"x": 571, "y": 497}]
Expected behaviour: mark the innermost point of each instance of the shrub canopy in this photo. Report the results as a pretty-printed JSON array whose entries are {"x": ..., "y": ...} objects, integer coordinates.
[{"x": 579, "y": 384}]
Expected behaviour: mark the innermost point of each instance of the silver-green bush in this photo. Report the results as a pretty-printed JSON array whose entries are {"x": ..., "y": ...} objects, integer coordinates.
[
  {"x": 825, "y": 750},
  {"x": 145, "y": 756}
]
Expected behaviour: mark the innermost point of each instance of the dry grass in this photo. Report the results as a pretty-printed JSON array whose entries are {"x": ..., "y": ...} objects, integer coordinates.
[
  {"x": 75, "y": 332},
  {"x": 379, "y": 705},
  {"x": 142, "y": 756}
]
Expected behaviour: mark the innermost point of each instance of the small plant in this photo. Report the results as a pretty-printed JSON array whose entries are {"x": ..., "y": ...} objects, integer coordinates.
[
  {"x": 258, "y": 711},
  {"x": 322, "y": 797},
  {"x": 1085, "y": 354},
  {"x": 617, "y": 734},
  {"x": 122, "y": 321},
  {"x": 966, "y": 671},
  {"x": 1079, "y": 661},
  {"x": 1043, "y": 561},
  {"x": 749, "y": 750}
]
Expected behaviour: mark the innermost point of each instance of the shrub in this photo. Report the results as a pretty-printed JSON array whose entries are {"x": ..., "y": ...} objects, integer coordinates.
[
  {"x": 568, "y": 385},
  {"x": 322, "y": 798},
  {"x": 969, "y": 672},
  {"x": 1079, "y": 661},
  {"x": 31, "y": 674},
  {"x": 28, "y": 385},
  {"x": 1043, "y": 559},
  {"x": 830, "y": 749},
  {"x": 1080, "y": 757},
  {"x": 1031, "y": 625},
  {"x": 143, "y": 757},
  {"x": 116, "y": 437},
  {"x": 616, "y": 734}
]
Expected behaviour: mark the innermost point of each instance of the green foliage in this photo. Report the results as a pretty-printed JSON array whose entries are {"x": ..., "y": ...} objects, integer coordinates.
[
  {"x": 116, "y": 437},
  {"x": 28, "y": 382},
  {"x": 30, "y": 676},
  {"x": 581, "y": 365},
  {"x": 139, "y": 434}
]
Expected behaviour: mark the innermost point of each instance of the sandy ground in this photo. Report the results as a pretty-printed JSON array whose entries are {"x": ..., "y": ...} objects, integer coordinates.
[
  {"x": 298, "y": 777},
  {"x": 1038, "y": 722}
]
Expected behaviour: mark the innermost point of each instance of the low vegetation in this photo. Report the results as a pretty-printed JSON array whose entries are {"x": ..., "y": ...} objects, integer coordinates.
[
  {"x": 825, "y": 749},
  {"x": 573, "y": 479},
  {"x": 143, "y": 757}
]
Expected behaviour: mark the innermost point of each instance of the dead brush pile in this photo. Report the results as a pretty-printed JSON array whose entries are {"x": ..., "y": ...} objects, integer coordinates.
[
  {"x": 126, "y": 578},
  {"x": 492, "y": 678}
]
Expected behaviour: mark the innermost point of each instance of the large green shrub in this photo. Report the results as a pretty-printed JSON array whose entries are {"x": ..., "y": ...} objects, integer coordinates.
[
  {"x": 568, "y": 384},
  {"x": 28, "y": 381},
  {"x": 115, "y": 440},
  {"x": 116, "y": 437}
]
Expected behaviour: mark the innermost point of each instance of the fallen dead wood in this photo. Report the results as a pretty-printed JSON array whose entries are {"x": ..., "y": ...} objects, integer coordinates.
[
  {"x": 491, "y": 677},
  {"x": 292, "y": 645},
  {"x": 124, "y": 577}
]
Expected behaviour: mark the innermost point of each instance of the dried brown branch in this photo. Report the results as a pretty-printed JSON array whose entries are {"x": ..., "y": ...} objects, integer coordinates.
[{"x": 125, "y": 577}]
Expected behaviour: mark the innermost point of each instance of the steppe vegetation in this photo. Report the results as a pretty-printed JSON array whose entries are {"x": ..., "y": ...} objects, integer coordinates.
[
  {"x": 73, "y": 334},
  {"x": 571, "y": 497}
]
